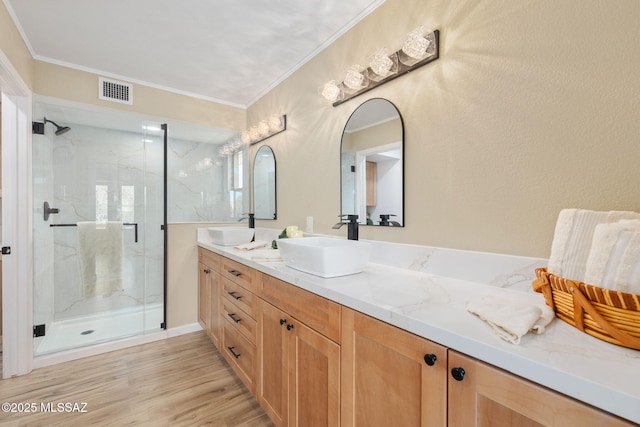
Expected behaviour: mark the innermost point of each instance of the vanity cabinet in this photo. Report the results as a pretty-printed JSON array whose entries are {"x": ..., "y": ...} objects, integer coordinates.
[
  {"x": 299, "y": 367},
  {"x": 484, "y": 396},
  {"x": 209, "y": 294},
  {"x": 238, "y": 308},
  {"x": 389, "y": 376},
  {"x": 312, "y": 362}
]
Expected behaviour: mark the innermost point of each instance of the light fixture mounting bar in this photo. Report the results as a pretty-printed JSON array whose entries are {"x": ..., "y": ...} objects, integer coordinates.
[{"x": 402, "y": 70}]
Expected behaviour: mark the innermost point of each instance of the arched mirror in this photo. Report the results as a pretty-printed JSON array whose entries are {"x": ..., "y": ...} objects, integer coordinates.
[
  {"x": 372, "y": 164},
  {"x": 264, "y": 184}
]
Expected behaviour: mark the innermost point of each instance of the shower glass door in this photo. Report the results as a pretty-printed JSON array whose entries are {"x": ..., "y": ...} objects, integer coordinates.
[{"x": 98, "y": 196}]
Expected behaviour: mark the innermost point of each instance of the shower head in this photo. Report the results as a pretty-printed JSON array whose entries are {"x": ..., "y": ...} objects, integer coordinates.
[{"x": 59, "y": 129}]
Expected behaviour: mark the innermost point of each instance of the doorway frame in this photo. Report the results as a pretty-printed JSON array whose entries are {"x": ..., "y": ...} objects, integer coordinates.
[{"x": 17, "y": 220}]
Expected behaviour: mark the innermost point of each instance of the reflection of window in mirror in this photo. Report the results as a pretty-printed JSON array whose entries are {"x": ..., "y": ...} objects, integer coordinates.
[
  {"x": 236, "y": 174},
  {"x": 372, "y": 171}
]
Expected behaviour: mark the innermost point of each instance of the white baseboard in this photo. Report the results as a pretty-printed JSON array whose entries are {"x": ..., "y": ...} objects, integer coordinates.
[{"x": 66, "y": 356}]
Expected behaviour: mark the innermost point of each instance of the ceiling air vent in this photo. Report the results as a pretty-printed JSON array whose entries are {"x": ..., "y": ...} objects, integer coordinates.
[{"x": 113, "y": 90}]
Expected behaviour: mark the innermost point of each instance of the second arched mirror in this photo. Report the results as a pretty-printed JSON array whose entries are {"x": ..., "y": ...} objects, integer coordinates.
[
  {"x": 372, "y": 164},
  {"x": 264, "y": 184}
]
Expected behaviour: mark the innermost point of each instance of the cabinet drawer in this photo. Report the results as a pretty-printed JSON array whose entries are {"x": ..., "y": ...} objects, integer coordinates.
[
  {"x": 240, "y": 296},
  {"x": 209, "y": 259},
  {"x": 240, "y": 354},
  {"x": 244, "y": 276},
  {"x": 241, "y": 320},
  {"x": 315, "y": 311}
]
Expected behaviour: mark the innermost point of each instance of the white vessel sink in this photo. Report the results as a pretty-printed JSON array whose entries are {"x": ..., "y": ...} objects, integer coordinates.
[
  {"x": 325, "y": 256},
  {"x": 231, "y": 236}
]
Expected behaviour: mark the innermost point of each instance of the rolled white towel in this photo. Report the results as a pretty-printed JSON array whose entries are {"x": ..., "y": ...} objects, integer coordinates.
[
  {"x": 573, "y": 237},
  {"x": 614, "y": 258},
  {"x": 510, "y": 317}
]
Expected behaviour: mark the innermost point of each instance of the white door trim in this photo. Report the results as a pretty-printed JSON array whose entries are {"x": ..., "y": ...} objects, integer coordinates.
[{"x": 17, "y": 223}]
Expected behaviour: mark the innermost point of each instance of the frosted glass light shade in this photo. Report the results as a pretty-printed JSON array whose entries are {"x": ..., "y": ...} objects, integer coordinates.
[
  {"x": 263, "y": 128},
  {"x": 420, "y": 44},
  {"x": 331, "y": 91},
  {"x": 276, "y": 123},
  {"x": 383, "y": 64},
  {"x": 255, "y": 134},
  {"x": 355, "y": 78},
  {"x": 246, "y": 137}
]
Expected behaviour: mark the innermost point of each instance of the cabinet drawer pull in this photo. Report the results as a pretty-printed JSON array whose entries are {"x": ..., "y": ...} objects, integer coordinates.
[
  {"x": 430, "y": 359},
  {"x": 234, "y": 272},
  {"x": 236, "y": 355},
  {"x": 457, "y": 374},
  {"x": 232, "y": 316},
  {"x": 235, "y": 295}
]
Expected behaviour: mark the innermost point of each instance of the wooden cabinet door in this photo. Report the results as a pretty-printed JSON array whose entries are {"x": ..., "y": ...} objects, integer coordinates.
[
  {"x": 485, "y": 396},
  {"x": 215, "y": 320},
  {"x": 372, "y": 183},
  {"x": 389, "y": 376},
  {"x": 314, "y": 378},
  {"x": 204, "y": 296},
  {"x": 272, "y": 362}
]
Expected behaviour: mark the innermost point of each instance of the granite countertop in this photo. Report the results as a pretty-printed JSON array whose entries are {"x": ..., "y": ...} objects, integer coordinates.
[{"x": 431, "y": 302}]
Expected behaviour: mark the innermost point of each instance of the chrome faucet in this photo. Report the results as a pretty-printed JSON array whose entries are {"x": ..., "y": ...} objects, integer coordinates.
[{"x": 352, "y": 231}]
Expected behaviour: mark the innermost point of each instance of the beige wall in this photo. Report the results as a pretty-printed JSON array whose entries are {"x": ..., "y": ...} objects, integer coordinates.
[
  {"x": 12, "y": 45},
  {"x": 381, "y": 134},
  {"x": 75, "y": 85},
  {"x": 532, "y": 107}
]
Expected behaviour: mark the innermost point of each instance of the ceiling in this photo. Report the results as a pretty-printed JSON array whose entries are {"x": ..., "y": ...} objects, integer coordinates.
[{"x": 228, "y": 51}]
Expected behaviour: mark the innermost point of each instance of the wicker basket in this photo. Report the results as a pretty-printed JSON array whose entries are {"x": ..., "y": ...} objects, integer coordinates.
[{"x": 606, "y": 314}]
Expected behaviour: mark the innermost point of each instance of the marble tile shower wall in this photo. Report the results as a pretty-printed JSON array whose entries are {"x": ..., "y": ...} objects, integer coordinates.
[
  {"x": 196, "y": 183},
  {"x": 93, "y": 173}
]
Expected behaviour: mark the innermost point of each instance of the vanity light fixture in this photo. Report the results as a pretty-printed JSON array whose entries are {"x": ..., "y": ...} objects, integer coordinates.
[
  {"x": 420, "y": 47},
  {"x": 257, "y": 133}
]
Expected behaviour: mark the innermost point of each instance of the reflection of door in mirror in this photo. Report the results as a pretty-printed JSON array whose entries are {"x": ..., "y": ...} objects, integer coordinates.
[
  {"x": 264, "y": 184},
  {"x": 372, "y": 165}
]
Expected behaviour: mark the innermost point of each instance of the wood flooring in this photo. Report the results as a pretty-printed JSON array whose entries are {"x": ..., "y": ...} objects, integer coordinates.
[{"x": 180, "y": 381}]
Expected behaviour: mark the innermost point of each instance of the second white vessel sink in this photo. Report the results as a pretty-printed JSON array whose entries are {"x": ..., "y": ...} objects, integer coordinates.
[
  {"x": 231, "y": 236},
  {"x": 325, "y": 256}
]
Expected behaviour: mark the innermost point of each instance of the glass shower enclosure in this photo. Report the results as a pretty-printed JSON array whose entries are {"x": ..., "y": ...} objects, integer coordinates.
[{"x": 99, "y": 218}]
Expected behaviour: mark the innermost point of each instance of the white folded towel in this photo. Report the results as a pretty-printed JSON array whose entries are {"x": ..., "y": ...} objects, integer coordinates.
[
  {"x": 614, "y": 258},
  {"x": 511, "y": 318},
  {"x": 251, "y": 246},
  {"x": 573, "y": 236}
]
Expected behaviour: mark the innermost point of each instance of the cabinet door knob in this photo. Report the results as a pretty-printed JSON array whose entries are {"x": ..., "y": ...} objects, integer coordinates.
[
  {"x": 289, "y": 327},
  {"x": 283, "y": 321},
  {"x": 457, "y": 374},
  {"x": 430, "y": 359},
  {"x": 207, "y": 271}
]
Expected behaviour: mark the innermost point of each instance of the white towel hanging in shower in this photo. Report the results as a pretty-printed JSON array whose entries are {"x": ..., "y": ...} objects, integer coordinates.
[{"x": 100, "y": 255}]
